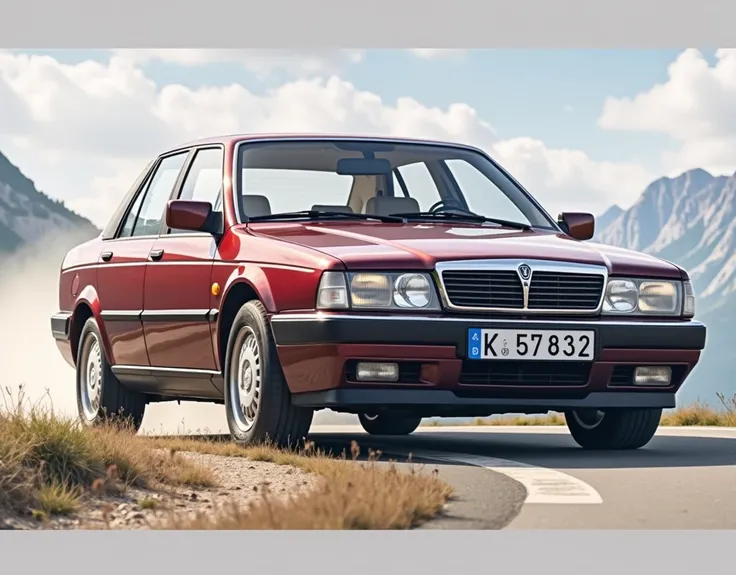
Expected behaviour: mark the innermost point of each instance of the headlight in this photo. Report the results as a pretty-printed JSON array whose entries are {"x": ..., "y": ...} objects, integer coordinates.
[
  {"x": 659, "y": 297},
  {"x": 412, "y": 290},
  {"x": 377, "y": 290},
  {"x": 621, "y": 296},
  {"x": 370, "y": 290},
  {"x": 648, "y": 297}
]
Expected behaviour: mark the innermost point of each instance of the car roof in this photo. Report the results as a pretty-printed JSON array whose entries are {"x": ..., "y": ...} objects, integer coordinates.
[{"x": 233, "y": 138}]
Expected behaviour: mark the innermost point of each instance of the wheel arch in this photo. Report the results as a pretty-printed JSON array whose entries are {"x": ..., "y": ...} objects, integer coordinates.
[
  {"x": 238, "y": 293},
  {"x": 86, "y": 306}
]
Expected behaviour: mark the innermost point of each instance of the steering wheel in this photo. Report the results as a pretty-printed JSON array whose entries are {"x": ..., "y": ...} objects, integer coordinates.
[{"x": 444, "y": 205}]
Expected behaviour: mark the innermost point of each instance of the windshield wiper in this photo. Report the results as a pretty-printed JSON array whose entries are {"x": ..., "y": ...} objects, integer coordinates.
[
  {"x": 326, "y": 215},
  {"x": 468, "y": 217}
]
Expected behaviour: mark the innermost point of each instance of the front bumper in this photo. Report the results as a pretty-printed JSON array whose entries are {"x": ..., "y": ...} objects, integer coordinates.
[{"x": 317, "y": 351}]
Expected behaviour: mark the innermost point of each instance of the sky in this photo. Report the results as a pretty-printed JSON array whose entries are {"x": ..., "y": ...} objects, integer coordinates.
[{"x": 581, "y": 129}]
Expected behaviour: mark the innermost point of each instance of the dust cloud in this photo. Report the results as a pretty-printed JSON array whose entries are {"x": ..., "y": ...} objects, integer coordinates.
[{"x": 28, "y": 298}]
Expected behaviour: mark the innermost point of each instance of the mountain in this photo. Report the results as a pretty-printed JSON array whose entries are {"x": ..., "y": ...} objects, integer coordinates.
[
  {"x": 608, "y": 217},
  {"x": 27, "y": 214},
  {"x": 690, "y": 220}
]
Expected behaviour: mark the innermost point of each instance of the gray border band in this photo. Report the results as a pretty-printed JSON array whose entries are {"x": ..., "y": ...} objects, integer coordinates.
[{"x": 386, "y": 24}]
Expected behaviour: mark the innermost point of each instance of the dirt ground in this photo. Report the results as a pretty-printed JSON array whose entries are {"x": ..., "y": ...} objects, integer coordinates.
[{"x": 240, "y": 482}]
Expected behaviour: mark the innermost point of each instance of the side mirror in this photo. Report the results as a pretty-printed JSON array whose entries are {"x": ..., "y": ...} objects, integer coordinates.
[
  {"x": 192, "y": 216},
  {"x": 577, "y": 225}
]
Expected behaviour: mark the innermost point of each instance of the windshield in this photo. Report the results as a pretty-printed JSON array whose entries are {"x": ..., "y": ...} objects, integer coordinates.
[{"x": 377, "y": 177}]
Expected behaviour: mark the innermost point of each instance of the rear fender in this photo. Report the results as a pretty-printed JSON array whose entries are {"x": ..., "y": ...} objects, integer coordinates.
[{"x": 88, "y": 296}]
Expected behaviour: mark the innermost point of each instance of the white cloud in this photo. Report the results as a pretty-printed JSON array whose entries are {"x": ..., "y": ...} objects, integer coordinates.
[
  {"x": 260, "y": 62},
  {"x": 570, "y": 179},
  {"x": 695, "y": 106},
  {"x": 438, "y": 53},
  {"x": 84, "y": 131}
]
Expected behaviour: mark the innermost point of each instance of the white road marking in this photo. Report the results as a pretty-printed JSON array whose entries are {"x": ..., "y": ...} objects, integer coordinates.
[{"x": 543, "y": 485}]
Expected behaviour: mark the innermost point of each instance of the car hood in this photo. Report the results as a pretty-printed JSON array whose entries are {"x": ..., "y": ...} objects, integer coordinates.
[{"x": 369, "y": 245}]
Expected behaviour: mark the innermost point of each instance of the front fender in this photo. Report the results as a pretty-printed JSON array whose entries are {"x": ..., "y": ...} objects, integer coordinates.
[{"x": 255, "y": 278}]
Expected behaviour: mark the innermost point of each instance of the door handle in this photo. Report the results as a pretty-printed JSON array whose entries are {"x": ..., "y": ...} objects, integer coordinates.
[
  {"x": 156, "y": 255},
  {"x": 106, "y": 256}
]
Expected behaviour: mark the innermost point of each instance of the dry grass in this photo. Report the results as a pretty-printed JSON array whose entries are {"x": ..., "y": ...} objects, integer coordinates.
[
  {"x": 148, "y": 503},
  {"x": 59, "y": 499},
  {"x": 521, "y": 420},
  {"x": 697, "y": 414},
  {"x": 49, "y": 464},
  {"x": 353, "y": 494}
]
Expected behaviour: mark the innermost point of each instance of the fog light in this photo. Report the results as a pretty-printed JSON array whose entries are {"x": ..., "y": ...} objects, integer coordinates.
[
  {"x": 377, "y": 371},
  {"x": 652, "y": 375}
]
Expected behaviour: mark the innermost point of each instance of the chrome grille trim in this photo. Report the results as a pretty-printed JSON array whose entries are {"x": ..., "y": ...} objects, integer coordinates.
[{"x": 566, "y": 272}]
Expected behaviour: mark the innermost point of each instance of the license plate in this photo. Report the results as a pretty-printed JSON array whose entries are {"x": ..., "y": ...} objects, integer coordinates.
[{"x": 523, "y": 344}]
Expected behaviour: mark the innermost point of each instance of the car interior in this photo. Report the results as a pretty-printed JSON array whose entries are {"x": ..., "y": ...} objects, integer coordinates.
[{"x": 366, "y": 197}]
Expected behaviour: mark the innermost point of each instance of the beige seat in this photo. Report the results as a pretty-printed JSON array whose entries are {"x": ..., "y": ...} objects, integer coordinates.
[
  {"x": 254, "y": 205},
  {"x": 329, "y": 208},
  {"x": 363, "y": 188},
  {"x": 387, "y": 205}
]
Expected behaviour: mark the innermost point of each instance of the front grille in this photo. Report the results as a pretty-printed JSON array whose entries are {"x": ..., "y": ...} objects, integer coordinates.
[
  {"x": 565, "y": 291},
  {"x": 499, "y": 289},
  {"x": 525, "y": 373},
  {"x": 502, "y": 289}
]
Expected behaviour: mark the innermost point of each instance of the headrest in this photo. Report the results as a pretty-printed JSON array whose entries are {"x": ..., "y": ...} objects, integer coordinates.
[
  {"x": 387, "y": 205},
  {"x": 254, "y": 206},
  {"x": 328, "y": 208}
]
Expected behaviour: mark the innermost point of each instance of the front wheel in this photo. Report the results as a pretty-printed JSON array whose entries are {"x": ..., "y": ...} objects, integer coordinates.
[
  {"x": 101, "y": 398},
  {"x": 257, "y": 399},
  {"x": 381, "y": 424},
  {"x": 616, "y": 429}
]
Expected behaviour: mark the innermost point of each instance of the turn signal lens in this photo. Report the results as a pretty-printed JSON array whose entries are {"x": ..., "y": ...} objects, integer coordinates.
[
  {"x": 332, "y": 292},
  {"x": 688, "y": 306}
]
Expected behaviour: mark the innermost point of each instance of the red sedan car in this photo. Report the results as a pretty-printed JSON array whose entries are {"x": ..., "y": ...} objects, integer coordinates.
[{"x": 390, "y": 278}]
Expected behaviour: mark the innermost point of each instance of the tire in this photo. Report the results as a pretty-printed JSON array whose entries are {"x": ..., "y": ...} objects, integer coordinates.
[
  {"x": 101, "y": 398},
  {"x": 618, "y": 429},
  {"x": 268, "y": 416},
  {"x": 387, "y": 425}
]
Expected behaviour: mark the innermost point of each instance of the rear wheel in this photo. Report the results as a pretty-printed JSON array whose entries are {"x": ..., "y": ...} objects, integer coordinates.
[
  {"x": 257, "y": 399},
  {"x": 101, "y": 398},
  {"x": 616, "y": 429},
  {"x": 383, "y": 424}
]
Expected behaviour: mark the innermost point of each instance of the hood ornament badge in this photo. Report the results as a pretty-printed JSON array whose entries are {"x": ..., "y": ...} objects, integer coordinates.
[{"x": 525, "y": 272}]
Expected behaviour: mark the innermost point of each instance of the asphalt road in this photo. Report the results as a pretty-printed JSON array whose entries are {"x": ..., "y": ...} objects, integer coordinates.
[{"x": 538, "y": 478}]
